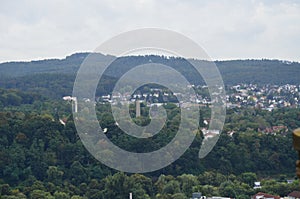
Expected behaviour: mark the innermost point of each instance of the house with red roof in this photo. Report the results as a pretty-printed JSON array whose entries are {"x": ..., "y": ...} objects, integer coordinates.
[
  {"x": 294, "y": 195},
  {"x": 261, "y": 195}
]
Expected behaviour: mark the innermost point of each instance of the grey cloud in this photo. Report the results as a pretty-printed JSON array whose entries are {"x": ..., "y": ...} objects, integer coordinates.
[{"x": 226, "y": 29}]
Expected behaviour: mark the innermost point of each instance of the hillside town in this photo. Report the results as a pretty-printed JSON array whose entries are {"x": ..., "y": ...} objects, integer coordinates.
[{"x": 266, "y": 97}]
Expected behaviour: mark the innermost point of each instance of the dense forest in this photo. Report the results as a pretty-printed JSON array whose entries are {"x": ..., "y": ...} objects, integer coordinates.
[{"x": 41, "y": 155}]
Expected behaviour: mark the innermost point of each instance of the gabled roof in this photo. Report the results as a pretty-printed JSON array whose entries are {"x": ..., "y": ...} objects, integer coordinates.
[
  {"x": 295, "y": 194},
  {"x": 265, "y": 195}
]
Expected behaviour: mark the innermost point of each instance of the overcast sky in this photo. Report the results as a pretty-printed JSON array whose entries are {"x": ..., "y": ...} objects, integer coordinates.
[{"x": 230, "y": 29}]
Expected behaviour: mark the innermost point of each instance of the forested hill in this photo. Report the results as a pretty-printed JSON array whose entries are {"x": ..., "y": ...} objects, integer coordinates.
[
  {"x": 55, "y": 77},
  {"x": 233, "y": 71},
  {"x": 69, "y": 65}
]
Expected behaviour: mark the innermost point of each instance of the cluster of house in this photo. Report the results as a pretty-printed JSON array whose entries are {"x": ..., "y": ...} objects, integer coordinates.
[
  {"x": 273, "y": 130},
  {"x": 159, "y": 96},
  {"x": 155, "y": 95},
  {"x": 198, "y": 195},
  {"x": 259, "y": 195},
  {"x": 266, "y": 97}
]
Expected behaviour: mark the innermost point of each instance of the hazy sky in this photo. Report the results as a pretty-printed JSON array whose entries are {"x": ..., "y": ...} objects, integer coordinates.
[{"x": 230, "y": 29}]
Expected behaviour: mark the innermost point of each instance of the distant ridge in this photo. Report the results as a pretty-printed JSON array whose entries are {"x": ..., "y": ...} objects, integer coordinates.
[{"x": 233, "y": 71}]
